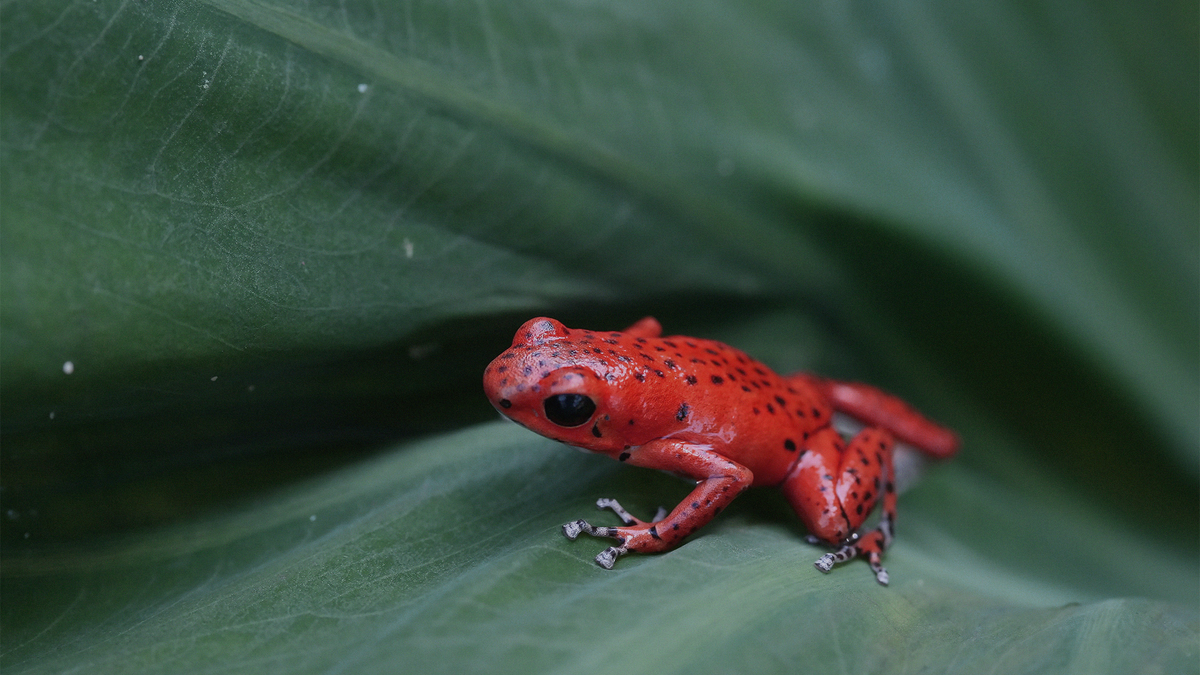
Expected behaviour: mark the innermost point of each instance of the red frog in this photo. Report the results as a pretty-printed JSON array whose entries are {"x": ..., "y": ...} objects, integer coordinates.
[{"x": 707, "y": 412}]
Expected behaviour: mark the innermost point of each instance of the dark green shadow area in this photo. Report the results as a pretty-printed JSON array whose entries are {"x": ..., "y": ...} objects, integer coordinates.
[{"x": 1072, "y": 418}]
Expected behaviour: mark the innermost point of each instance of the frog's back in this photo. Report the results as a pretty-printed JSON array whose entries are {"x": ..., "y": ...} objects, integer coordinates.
[{"x": 756, "y": 417}]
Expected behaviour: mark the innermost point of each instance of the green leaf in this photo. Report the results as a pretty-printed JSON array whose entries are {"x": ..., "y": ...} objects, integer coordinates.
[
  {"x": 254, "y": 256},
  {"x": 446, "y": 556}
]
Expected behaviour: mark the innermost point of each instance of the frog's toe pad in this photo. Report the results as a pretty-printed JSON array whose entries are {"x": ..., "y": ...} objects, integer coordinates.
[{"x": 573, "y": 529}]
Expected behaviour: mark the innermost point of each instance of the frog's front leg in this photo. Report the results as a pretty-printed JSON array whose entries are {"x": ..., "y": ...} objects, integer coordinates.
[
  {"x": 719, "y": 481},
  {"x": 609, "y": 556}
]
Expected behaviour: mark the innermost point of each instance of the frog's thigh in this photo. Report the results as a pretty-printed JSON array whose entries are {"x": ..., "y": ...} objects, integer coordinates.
[
  {"x": 863, "y": 473},
  {"x": 811, "y": 487}
]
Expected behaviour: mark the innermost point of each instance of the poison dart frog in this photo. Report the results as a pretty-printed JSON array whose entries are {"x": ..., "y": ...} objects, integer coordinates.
[{"x": 707, "y": 412}]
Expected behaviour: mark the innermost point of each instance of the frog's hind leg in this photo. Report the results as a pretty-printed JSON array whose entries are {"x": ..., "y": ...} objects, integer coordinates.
[
  {"x": 867, "y": 462},
  {"x": 833, "y": 489},
  {"x": 877, "y": 408}
]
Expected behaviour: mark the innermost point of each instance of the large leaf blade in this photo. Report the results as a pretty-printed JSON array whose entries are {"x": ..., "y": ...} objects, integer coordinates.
[
  {"x": 255, "y": 229},
  {"x": 447, "y": 555}
]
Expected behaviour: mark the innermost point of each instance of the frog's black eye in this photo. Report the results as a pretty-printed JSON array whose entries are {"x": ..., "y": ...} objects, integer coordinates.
[{"x": 569, "y": 410}]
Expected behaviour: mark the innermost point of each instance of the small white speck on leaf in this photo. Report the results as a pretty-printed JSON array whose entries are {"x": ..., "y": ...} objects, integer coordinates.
[
  {"x": 141, "y": 57},
  {"x": 408, "y": 248},
  {"x": 12, "y": 514},
  {"x": 362, "y": 88},
  {"x": 214, "y": 378},
  {"x": 51, "y": 414},
  {"x": 68, "y": 367},
  {"x": 875, "y": 63},
  {"x": 312, "y": 518},
  {"x": 250, "y": 388}
]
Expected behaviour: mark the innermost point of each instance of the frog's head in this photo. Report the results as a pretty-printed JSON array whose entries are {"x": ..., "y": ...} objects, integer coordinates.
[{"x": 553, "y": 380}]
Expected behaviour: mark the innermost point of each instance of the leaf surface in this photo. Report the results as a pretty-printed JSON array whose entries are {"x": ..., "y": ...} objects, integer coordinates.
[{"x": 254, "y": 256}]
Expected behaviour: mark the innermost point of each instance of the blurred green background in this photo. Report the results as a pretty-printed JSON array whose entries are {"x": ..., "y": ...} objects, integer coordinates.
[{"x": 277, "y": 243}]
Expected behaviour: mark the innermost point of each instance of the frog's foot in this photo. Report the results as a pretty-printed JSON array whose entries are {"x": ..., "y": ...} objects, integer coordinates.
[
  {"x": 870, "y": 547},
  {"x": 608, "y": 557}
]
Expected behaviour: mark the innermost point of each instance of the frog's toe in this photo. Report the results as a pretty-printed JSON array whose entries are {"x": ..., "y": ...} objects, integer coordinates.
[
  {"x": 608, "y": 557},
  {"x": 876, "y": 563},
  {"x": 881, "y": 576},
  {"x": 615, "y": 506},
  {"x": 827, "y": 561},
  {"x": 573, "y": 529},
  {"x": 625, "y": 516}
]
